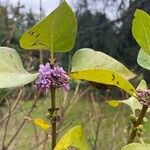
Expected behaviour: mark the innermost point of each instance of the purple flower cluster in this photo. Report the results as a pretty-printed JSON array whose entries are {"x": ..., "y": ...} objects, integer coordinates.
[
  {"x": 144, "y": 96},
  {"x": 52, "y": 77}
]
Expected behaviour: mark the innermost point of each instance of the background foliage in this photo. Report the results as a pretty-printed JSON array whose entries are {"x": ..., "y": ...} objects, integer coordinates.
[{"x": 97, "y": 31}]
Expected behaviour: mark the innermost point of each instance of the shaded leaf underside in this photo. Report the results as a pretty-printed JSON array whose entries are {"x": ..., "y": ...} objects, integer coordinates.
[{"x": 12, "y": 72}]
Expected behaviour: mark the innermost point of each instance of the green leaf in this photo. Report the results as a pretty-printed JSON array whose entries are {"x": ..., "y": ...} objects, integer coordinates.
[
  {"x": 74, "y": 138},
  {"x": 143, "y": 59},
  {"x": 57, "y": 32},
  {"x": 12, "y": 72},
  {"x": 132, "y": 102},
  {"x": 141, "y": 29},
  {"x": 104, "y": 76},
  {"x": 137, "y": 146},
  {"x": 86, "y": 58}
]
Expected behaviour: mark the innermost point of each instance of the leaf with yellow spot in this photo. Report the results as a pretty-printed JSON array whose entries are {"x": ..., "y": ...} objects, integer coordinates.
[
  {"x": 41, "y": 123},
  {"x": 105, "y": 77},
  {"x": 74, "y": 139},
  {"x": 86, "y": 58},
  {"x": 132, "y": 102}
]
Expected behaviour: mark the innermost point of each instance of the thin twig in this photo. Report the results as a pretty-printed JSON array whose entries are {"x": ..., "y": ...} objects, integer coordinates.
[
  {"x": 6, "y": 126},
  {"x": 94, "y": 105},
  {"x": 66, "y": 104},
  {"x": 45, "y": 142},
  {"x": 22, "y": 124},
  {"x": 36, "y": 133},
  {"x": 33, "y": 148},
  {"x": 96, "y": 135},
  {"x": 13, "y": 107},
  {"x": 140, "y": 139},
  {"x": 98, "y": 123},
  {"x": 77, "y": 99}
]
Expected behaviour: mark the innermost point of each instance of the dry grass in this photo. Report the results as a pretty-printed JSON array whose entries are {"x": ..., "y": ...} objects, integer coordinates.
[{"x": 106, "y": 128}]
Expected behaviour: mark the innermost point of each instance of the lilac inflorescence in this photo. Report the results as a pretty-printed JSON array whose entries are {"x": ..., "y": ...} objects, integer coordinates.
[
  {"x": 52, "y": 77},
  {"x": 144, "y": 96}
]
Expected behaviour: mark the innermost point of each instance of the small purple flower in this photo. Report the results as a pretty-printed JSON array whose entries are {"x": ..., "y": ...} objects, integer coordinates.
[
  {"x": 144, "y": 96},
  {"x": 58, "y": 71},
  {"x": 49, "y": 77}
]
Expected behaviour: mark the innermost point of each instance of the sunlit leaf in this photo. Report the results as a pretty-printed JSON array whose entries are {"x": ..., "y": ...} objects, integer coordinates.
[
  {"x": 41, "y": 123},
  {"x": 143, "y": 59},
  {"x": 87, "y": 58},
  {"x": 12, "y": 72},
  {"x": 56, "y": 32},
  {"x": 137, "y": 146},
  {"x": 104, "y": 76},
  {"x": 132, "y": 102},
  {"x": 114, "y": 103},
  {"x": 74, "y": 139},
  {"x": 141, "y": 29}
]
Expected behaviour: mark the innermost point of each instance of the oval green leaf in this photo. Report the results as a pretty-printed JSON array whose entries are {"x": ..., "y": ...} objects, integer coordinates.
[
  {"x": 143, "y": 59},
  {"x": 73, "y": 139},
  {"x": 141, "y": 29},
  {"x": 132, "y": 102},
  {"x": 137, "y": 146},
  {"x": 12, "y": 72},
  {"x": 87, "y": 58},
  {"x": 56, "y": 32},
  {"x": 104, "y": 76}
]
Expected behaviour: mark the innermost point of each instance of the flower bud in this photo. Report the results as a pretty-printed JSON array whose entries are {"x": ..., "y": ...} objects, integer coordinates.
[
  {"x": 140, "y": 129},
  {"x": 132, "y": 118},
  {"x": 144, "y": 120},
  {"x": 48, "y": 116},
  {"x": 143, "y": 96}
]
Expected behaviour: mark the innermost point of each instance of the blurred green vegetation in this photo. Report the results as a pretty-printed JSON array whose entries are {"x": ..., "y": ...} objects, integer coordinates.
[{"x": 105, "y": 127}]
